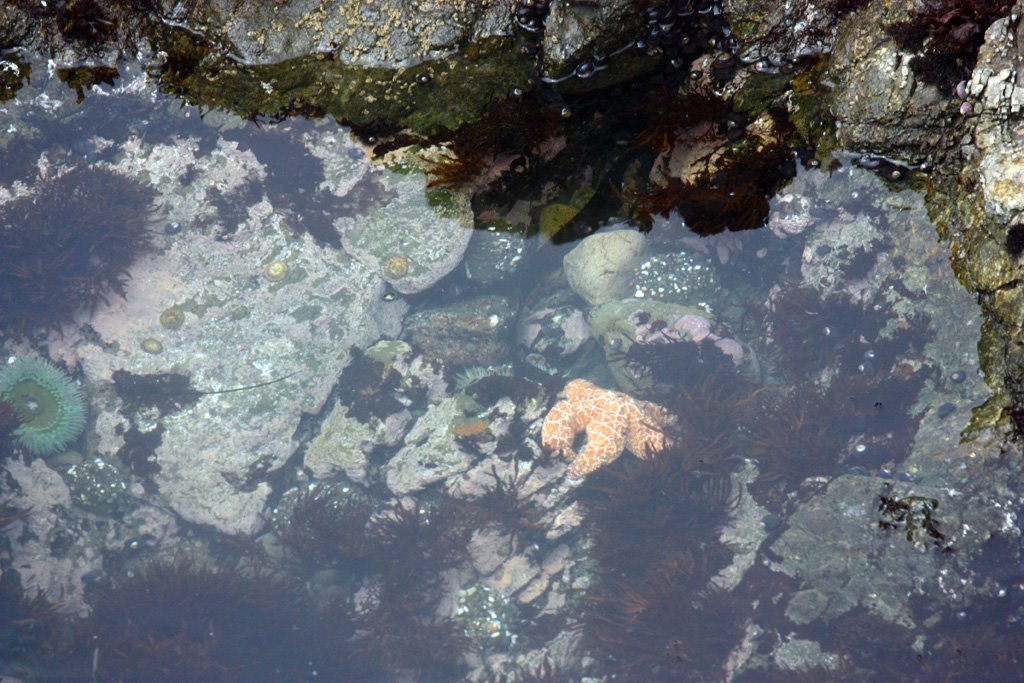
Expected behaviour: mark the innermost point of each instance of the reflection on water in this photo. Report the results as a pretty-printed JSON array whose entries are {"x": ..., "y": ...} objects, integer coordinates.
[{"x": 322, "y": 443}]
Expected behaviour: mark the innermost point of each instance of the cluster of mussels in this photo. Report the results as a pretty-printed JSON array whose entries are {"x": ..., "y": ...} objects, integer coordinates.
[
  {"x": 686, "y": 27},
  {"x": 678, "y": 29},
  {"x": 530, "y": 14}
]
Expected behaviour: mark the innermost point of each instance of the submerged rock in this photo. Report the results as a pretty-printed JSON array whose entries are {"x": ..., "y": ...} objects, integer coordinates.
[
  {"x": 599, "y": 268},
  {"x": 430, "y": 453},
  {"x": 474, "y": 331},
  {"x": 239, "y": 328},
  {"x": 629, "y": 327},
  {"x": 408, "y": 239},
  {"x": 552, "y": 334},
  {"x": 341, "y": 446}
]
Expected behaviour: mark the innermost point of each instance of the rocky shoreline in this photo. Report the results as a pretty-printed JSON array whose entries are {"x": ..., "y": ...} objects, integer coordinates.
[{"x": 313, "y": 370}]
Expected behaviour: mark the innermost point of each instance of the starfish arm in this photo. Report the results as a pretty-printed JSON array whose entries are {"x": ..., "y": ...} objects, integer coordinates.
[
  {"x": 644, "y": 436},
  {"x": 605, "y": 442},
  {"x": 559, "y": 430},
  {"x": 645, "y": 442}
]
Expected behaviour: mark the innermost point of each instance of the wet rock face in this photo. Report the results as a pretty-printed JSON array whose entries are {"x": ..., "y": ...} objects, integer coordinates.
[
  {"x": 980, "y": 221},
  {"x": 374, "y": 33},
  {"x": 878, "y": 103},
  {"x": 14, "y": 27},
  {"x": 778, "y": 28},
  {"x": 995, "y": 96},
  {"x": 572, "y": 29},
  {"x": 394, "y": 34}
]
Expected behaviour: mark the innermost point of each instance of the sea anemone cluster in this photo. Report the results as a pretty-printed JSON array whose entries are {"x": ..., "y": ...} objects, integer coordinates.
[
  {"x": 49, "y": 406},
  {"x": 67, "y": 248}
]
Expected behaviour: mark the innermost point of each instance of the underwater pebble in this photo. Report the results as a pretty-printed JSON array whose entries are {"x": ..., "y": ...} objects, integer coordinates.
[
  {"x": 945, "y": 410},
  {"x": 93, "y": 576},
  {"x": 772, "y": 522}
]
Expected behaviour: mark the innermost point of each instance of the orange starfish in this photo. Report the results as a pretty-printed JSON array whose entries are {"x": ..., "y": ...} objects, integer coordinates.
[{"x": 613, "y": 421}]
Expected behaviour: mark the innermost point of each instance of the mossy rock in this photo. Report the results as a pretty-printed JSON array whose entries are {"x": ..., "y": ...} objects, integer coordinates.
[{"x": 437, "y": 95}]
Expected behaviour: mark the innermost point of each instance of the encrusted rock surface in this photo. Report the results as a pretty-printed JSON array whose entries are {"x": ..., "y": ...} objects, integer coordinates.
[
  {"x": 373, "y": 33},
  {"x": 404, "y": 239},
  {"x": 240, "y": 329},
  {"x": 878, "y": 103},
  {"x": 430, "y": 453}
]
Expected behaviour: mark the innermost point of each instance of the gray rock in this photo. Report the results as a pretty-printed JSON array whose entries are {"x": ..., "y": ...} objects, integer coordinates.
[
  {"x": 834, "y": 545},
  {"x": 52, "y": 550},
  {"x": 419, "y": 375},
  {"x": 878, "y": 103},
  {"x": 998, "y": 101},
  {"x": 780, "y": 31},
  {"x": 833, "y": 246},
  {"x": 798, "y": 654},
  {"x": 555, "y": 330},
  {"x": 341, "y": 446},
  {"x": 600, "y": 267},
  {"x": 15, "y": 27},
  {"x": 430, "y": 453},
  {"x": 576, "y": 31},
  {"x": 489, "y": 548},
  {"x": 240, "y": 328}
]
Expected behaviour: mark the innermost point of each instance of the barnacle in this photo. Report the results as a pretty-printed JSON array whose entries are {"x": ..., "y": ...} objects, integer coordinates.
[{"x": 396, "y": 266}]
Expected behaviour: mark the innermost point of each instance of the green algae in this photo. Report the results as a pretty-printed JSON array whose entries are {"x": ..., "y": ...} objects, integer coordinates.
[
  {"x": 759, "y": 91},
  {"x": 810, "y": 115},
  {"x": 426, "y": 99}
]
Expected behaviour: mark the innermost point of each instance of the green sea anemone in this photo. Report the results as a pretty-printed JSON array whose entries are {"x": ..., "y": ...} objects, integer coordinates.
[{"x": 50, "y": 407}]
